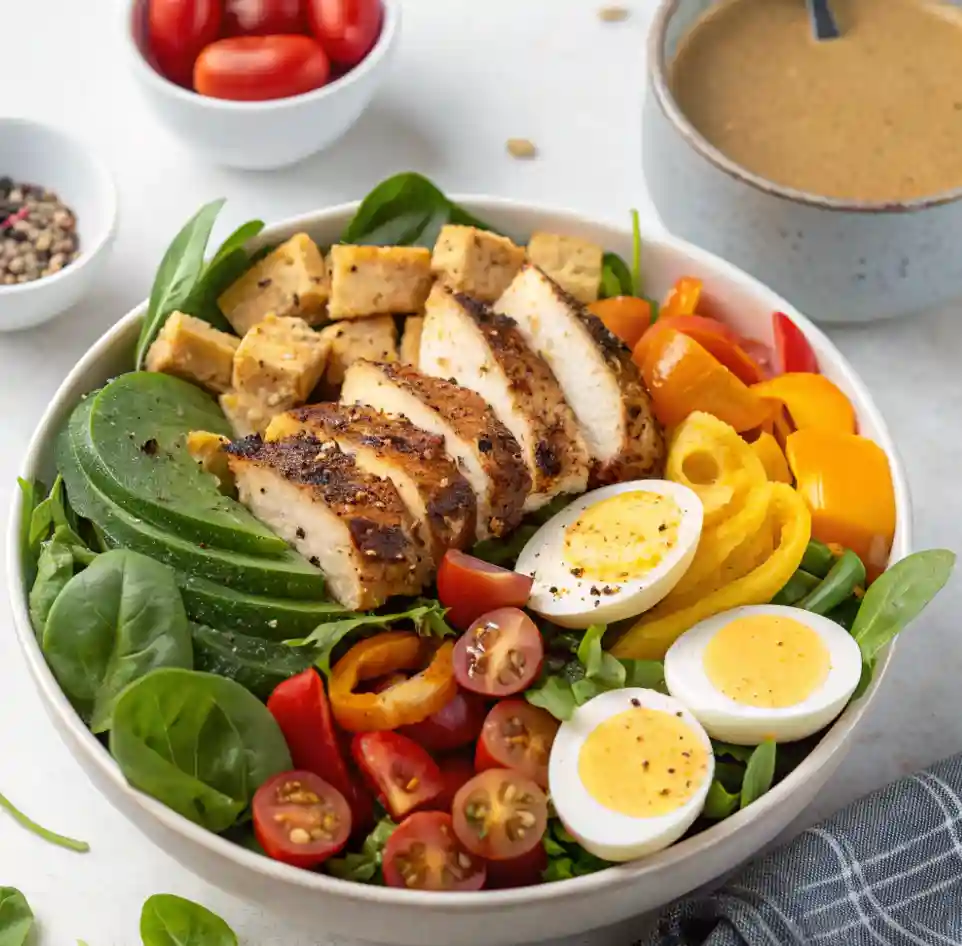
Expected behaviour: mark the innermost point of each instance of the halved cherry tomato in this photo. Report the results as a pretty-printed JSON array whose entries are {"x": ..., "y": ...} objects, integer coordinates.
[
  {"x": 424, "y": 853},
  {"x": 177, "y": 30},
  {"x": 792, "y": 349},
  {"x": 683, "y": 298},
  {"x": 402, "y": 774},
  {"x": 456, "y": 770},
  {"x": 300, "y": 819},
  {"x": 469, "y": 586},
  {"x": 519, "y": 736},
  {"x": 263, "y": 17},
  {"x": 500, "y": 654},
  {"x": 626, "y": 316},
  {"x": 261, "y": 68},
  {"x": 456, "y": 724},
  {"x": 410, "y": 701},
  {"x": 524, "y": 871},
  {"x": 500, "y": 815},
  {"x": 347, "y": 29}
]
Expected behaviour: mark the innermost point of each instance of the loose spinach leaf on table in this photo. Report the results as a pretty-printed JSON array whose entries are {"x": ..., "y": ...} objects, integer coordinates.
[
  {"x": 759, "y": 773},
  {"x": 16, "y": 917},
  {"x": 365, "y": 865},
  {"x": 51, "y": 837},
  {"x": 199, "y": 743},
  {"x": 111, "y": 624},
  {"x": 54, "y": 569},
  {"x": 167, "y": 920}
]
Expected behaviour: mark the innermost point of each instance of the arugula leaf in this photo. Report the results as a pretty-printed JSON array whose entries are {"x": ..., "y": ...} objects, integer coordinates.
[
  {"x": 364, "y": 866},
  {"x": 167, "y": 920},
  {"x": 615, "y": 277},
  {"x": 719, "y": 803},
  {"x": 646, "y": 674},
  {"x": 566, "y": 857},
  {"x": 16, "y": 917},
  {"x": 600, "y": 667},
  {"x": 555, "y": 695},
  {"x": 759, "y": 773},
  {"x": 51, "y": 837}
]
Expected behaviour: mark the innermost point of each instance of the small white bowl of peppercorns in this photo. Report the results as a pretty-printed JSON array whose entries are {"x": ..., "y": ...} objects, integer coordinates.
[{"x": 58, "y": 213}]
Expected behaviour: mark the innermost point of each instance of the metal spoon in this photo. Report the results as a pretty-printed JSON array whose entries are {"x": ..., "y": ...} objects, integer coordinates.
[{"x": 823, "y": 22}]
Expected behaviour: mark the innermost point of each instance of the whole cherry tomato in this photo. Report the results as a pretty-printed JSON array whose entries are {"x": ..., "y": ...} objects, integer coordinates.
[
  {"x": 500, "y": 654},
  {"x": 469, "y": 586},
  {"x": 263, "y": 17},
  {"x": 261, "y": 68},
  {"x": 177, "y": 30},
  {"x": 347, "y": 29},
  {"x": 456, "y": 724},
  {"x": 424, "y": 853}
]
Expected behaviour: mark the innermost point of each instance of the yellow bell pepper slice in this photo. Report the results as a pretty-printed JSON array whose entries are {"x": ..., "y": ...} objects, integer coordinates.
[
  {"x": 812, "y": 401},
  {"x": 651, "y": 636},
  {"x": 773, "y": 459}
]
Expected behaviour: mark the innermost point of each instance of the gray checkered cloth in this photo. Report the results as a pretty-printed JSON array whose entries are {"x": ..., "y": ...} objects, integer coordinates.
[{"x": 886, "y": 871}]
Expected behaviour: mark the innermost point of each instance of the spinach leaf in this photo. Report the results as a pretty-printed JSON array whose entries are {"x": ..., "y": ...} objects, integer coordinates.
[
  {"x": 898, "y": 596},
  {"x": 54, "y": 570},
  {"x": 30, "y": 493},
  {"x": 114, "y": 622},
  {"x": 167, "y": 920},
  {"x": 647, "y": 674},
  {"x": 16, "y": 917},
  {"x": 405, "y": 210},
  {"x": 615, "y": 277},
  {"x": 865, "y": 678},
  {"x": 365, "y": 866},
  {"x": 741, "y": 754},
  {"x": 731, "y": 775},
  {"x": 199, "y": 743},
  {"x": 177, "y": 277},
  {"x": 555, "y": 695},
  {"x": 600, "y": 667},
  {"x": 759, "y": 773},
  {"x": 82, "y": 555},
  {"x": 51, "y": 837},
  {"x": 719, "y": 803}
]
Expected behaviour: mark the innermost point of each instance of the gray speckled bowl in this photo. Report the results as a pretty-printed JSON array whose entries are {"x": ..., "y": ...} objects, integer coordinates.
[{"x": 836, "y": 260}]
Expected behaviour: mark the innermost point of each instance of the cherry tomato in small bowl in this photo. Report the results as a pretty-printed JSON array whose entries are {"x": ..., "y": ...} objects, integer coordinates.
[
  {"x": 500, "y": 654},
  {"x": 456, "y": 724},
  {"x": 469, "y": 586},
  {"x": 347, "y": 29},
  {"x": 300, "y": 819},
  {"x": 524, "y": 871},
  {"x": 263, "y": 17},
  {"x": 177, "y": 30},
  {"x": 519, "y": 736},
  {"x": 402, "y": 774},
  {"x": 424, "y": 853}
]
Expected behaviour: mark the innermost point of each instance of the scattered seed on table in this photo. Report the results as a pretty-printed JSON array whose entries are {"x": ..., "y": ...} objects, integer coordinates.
[
  {"x": 38, "y": 233},
  {"x": 614, "y": 14},
  {"x": 521, "y": 148}
]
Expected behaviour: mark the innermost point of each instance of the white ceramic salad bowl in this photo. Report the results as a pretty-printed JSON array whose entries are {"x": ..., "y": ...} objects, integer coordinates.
[{"x": 384, "y": 915}]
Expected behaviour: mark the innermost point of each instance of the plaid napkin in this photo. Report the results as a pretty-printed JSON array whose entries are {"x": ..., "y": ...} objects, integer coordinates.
[{"x": 886, "y": 871}]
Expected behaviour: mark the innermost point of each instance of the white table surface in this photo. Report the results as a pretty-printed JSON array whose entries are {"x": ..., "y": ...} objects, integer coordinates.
[{"x": 469, "y": 75}]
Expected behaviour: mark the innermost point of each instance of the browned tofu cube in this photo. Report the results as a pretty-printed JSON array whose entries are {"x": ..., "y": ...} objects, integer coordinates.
[
  {"x": 574, "y": 264},
  {"x": 373, "y": 339},
  {"x": 279, "y": 361},
  {"x": 378, "y": 280},
  {"x": 475, "y": 262},
  {"x": 191, "y": 349},
  {"x": 411, "y": 340},
  {"x": 248, "y": 414},
  {"x": 290, "y": 281}
]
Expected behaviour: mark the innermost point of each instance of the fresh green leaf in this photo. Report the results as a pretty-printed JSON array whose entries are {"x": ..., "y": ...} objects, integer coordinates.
[
  {"x": 236, "y": 241},
  {"x": 51, "y": 837},
  {"x": 731, "y": 775},
  {"x": 719, "y": 803},
  {"x": 555, "y": 695},
  {"x": 30, "y": 493},
  {"x": 114, "y": 622},
  {"x": 615, "y": 277},
  {"x": 739, "y": 753},
  {"x": 636, "y": 286},
  {"x": 759, "y": 773},
  {"x": 365, "y": 865},
  {"x": 646, "y": 674},
  {"x": 559, "y": 868},
  {"x": 198, "y": 743},
  {"x": 865, "y": 678},
  {"x": 898, "y": 596},
  {"x": 600, "y": 667},
  {"x": 16, "y": 917},
  {"x": 566, "y": 857},
  {"x": 82, "y": 555},
  {"x": 505, "y": 552},
  {"x": 167, "y": 920},
  {"x": 177, "y": 277},
  {"x": 41, "y": 522},
  {"x": 584, "y": 690},
  {"x": 54, "y": 570}
]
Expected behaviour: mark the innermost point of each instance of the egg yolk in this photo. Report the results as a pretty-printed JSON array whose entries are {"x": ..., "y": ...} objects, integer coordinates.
[
  {"x": 642, "y": 763},
  {"x": 623, "y": 536},
  {"x": 768, "y": 661}
]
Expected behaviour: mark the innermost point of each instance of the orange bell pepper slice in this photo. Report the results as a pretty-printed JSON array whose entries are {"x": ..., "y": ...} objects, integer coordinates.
[
  {"x": 812, "y": 401},
  {"x": 846, "y": 482},
  {"x": 404, "y": 703},
  {"x": 628, "y": 317},
  {"x": 770, "y": 453},
  {"x": 682, "y": 377},
  {"x": 682, "y": 298}
]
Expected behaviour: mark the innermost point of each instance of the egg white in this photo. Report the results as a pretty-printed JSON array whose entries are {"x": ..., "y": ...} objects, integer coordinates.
[
  {"x": 572, "y": 603},
  {"x": 731, "y": 721},
  {"x": 598, "y": 829}
]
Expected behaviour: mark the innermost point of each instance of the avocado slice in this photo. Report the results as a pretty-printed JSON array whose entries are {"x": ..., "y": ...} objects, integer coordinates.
[
  {"x": 287, "y": 575},
  {"x": 136, "y": 455}
]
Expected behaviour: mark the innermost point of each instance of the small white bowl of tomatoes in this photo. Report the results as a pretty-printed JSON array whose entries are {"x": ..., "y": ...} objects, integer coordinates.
[{"x": 260, "y": 84}]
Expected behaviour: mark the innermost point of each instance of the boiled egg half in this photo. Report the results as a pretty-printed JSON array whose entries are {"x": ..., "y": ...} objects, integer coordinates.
[
  {"x": 613, "y": 553},
  {"x": 629, "y": 773},
  {"x": 764, "y": 672}
]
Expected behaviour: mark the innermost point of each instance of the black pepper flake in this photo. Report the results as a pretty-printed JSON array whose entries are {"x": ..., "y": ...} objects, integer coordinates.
[
  {"x": 686, "y": 755},
  {"x": 679, "y": 714},
  {"x": 315, "y": 561},
  {"x": 671, "y": 771},
  {"x": 635, "y": 701},
  {"x": 553, "y": 589},
  {"x": 300, "y": 533},
  {"x": 264, "y": 283},
  {"x": 594, "y": 590},
  {"x": 665, "y": 792},
  {"x": 577, "y": 572},
  {"x": 662, "y": 528},
  {"x": 149, "y": 447},
  {"x": 644, "y": 764},
  {"x": 296, "y": 299},
  {"x": 484, "y": 445}
]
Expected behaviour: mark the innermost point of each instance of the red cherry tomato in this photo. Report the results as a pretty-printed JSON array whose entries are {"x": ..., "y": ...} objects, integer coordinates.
[
  {"x": 261, "y": 68},
  {"x": 455, "y": 725},
  {"x": 792, "y": 350},
  {"x": 177, "y": 30},
  {"x": 500, "y": 815},
  {"x": 500, "y": 654},
  {"x": 424, "y": 854},
  {"x": 469, "y": 586},
  {"x": 300, "y": 819},
  {"x": 456, "y": 770},
  {"x": 519, "y": 736},
  {"x": 402, "y": 774},
  {"x": 347, "y": 29},
  {"x": 263, "y": 17},
  {"x": 524, "y": 871}
]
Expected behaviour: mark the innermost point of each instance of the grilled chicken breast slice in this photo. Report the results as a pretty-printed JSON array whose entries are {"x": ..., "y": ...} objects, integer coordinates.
[
  {"x": 482, "y": 447},
  {"x": 349, "y": 524},
  {"x": 438, "y": 497},
  {"x": 599, "y": 380},
  {"x": 462, "y": 339}
]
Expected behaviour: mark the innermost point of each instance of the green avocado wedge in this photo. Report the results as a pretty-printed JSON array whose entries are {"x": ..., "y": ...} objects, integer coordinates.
[
  {"x": 288, "y": 575},
  {"x": 136, "y": 455}
]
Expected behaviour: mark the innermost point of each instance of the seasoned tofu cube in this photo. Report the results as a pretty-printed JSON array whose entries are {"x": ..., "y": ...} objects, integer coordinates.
[
  {"x": 378, "y": 280},
  {"x": 279, "y": 361},
  {"x": 195, "y": 351},
  {"x": 475, "y": 262},
  {"x": 208, "y": 450},
  {"x": 248, "y": 414},
  {"x": 411, "y": 341},
  {"x": 574, "y": 264},
  {"x": 372, "y": 339},
  {"x": 291, "y": 280}
]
